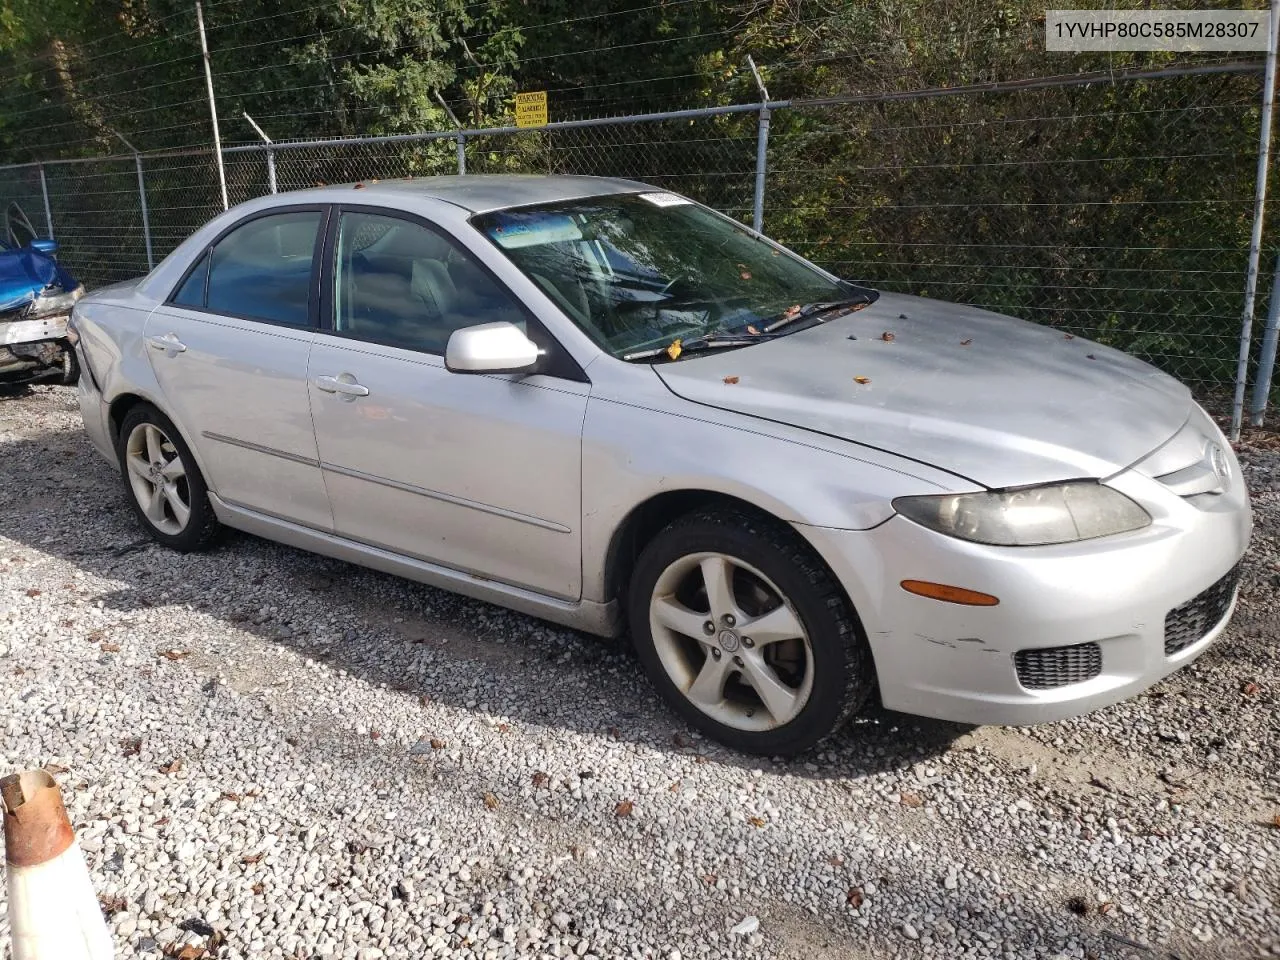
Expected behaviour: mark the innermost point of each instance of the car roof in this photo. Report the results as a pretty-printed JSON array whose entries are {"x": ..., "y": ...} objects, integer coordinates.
[{"x": 478, "y": 193}]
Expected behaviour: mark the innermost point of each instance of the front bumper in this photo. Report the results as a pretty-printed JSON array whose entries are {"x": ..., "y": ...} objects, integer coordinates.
[
  {"x": 956, "y": 662},
  {"x": 36, "y": 351}
]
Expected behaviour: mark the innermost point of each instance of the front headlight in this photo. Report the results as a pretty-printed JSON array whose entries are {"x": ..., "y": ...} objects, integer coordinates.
[
  {"x": 1033, "y": 516},
  {"x": 53, "y": 301}
]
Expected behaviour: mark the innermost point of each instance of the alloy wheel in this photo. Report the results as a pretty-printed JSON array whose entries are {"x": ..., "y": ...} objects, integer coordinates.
[
  {"x": 158, "y": 478},
  {"x": 731, "y": 642}
]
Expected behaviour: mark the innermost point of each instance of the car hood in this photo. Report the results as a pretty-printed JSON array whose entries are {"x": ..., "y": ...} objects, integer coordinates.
[
  {"x": 23, "y": 274},
  {"x": 998, "y": 401}
]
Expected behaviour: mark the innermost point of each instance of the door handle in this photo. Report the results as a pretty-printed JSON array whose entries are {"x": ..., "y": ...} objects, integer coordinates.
[
  {"x": 169, "y": 343},
  {"x": 344, "y": 384}
]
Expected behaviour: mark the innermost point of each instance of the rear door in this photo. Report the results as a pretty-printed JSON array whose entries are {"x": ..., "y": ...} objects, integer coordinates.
[
  {"x": 230, "y": 350},
  {"x": 480, "y": 473}
]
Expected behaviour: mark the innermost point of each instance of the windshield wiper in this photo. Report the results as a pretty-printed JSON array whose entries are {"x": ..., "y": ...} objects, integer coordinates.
[
  {"x": 712, "y": 341},
  {"x": 815, "y": 309}
]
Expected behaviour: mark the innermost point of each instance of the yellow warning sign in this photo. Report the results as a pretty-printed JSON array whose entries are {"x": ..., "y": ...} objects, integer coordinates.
[{"x": 531, "y": 109}]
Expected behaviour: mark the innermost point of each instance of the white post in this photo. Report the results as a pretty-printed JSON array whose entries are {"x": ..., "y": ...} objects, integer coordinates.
[
  {"x": 53, "y": 912},
  {"x": 1255, "y": 241},
  {"x": 213, "y": 109}
]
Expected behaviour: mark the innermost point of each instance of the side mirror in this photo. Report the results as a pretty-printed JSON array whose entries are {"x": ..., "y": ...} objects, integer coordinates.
[
  {"x": 45, "y": 246},
  {"x": 490, "y": 348}
]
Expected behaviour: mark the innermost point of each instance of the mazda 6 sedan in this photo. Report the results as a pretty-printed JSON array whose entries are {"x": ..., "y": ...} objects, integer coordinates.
[{"x": 609, "y": 406}]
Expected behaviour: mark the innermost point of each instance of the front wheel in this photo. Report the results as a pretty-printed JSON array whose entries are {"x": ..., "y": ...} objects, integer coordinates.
[{"x": 746, "y": 633}]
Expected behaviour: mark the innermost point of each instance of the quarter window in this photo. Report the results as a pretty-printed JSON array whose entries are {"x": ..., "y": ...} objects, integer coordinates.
[
  {"x": 261, "y": 270},
  {"x": 191, "y": 293},
  {"x": 404, "y": 285}
]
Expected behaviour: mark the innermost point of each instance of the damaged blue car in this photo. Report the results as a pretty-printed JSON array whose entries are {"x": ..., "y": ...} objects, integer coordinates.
[{"x": 36, "y": 297}]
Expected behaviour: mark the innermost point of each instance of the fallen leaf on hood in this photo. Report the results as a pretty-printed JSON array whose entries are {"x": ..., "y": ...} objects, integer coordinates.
[
  {"x": 623, "y": 809},
  {"x": 110, "y": 648},
  {"x": 675, "y": 349},
  {"x": 358, "y": 186},
  {"x": 911, "y": 800},
  {"x": 752, "y": 330},
  {"x": 174, "y": 654},
  {"x": 1068, "y": 336},
  {"x": 490, "y": 801},
  {"x": 861, "y": 379},
  {"x": 965, "y": 343},
  {"x": 1251, "y": 689},
  {"x": 791, "y": 311},
  {"x": 730, "y": 379},
  {"x": 887, "y": 337},
  {"x": 173, "y": 766},
  {"x": 854, "y": 898},
  {"x": 1090, "y": 356}
]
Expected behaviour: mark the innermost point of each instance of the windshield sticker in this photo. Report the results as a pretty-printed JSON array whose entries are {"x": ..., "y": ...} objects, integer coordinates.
[
  {"x": 664, "y": 199},
  {"x": 531, "y": 230}
]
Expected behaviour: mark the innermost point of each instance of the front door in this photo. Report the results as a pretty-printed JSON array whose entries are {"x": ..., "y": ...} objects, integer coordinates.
[
  {"x": 480, "y": 473},
  {"x": 229, "y": 350}
]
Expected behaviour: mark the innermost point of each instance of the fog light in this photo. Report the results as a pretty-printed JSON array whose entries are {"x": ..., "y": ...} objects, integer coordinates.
[{"x": 949, "y": 594}]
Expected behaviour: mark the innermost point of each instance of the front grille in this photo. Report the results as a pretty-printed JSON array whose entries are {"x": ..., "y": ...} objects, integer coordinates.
[
  {"x": 1049, "y": 667},
  {"x": 1190, "y": 622}
]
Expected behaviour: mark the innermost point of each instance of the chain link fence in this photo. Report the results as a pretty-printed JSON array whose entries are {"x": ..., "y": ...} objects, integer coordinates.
[{"x": 1118, "y": 209}]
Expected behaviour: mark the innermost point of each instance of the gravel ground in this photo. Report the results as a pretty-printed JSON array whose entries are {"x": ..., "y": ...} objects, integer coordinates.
[{"x": 267, "y": 753}]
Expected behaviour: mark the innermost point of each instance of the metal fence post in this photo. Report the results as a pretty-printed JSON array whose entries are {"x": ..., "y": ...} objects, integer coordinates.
[
  {"x": 462, "y": 154},
  {"x": 270, "y": 149},
  {"x": 44, "y": 192},
  {"x": 146, "y": 218},
  {"x": 1267, "y": 361},
  {"x": 142, "y": 197},
  {"x": 1255, "y": 241},
  {"x": 762, "y": 151}
]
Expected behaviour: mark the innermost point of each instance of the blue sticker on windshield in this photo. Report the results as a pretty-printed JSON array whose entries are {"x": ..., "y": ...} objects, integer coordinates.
[{"x": 515, "y": 229}]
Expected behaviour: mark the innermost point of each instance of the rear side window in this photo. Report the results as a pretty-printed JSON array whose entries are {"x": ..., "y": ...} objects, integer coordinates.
[{"x": 262, "y": 270}]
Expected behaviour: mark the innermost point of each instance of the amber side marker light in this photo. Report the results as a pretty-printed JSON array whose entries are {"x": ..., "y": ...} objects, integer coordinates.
[{"x": 942, "y": 591}]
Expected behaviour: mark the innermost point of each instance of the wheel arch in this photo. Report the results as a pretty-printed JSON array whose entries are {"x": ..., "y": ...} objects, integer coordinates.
[
  {"x": 645, "y": 520},
  {"x": 118, "y": 408}
]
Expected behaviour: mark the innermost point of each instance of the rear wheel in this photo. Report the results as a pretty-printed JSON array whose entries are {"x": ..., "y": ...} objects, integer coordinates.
[
  {"x": 164, "y": 484},
  {"x": 746, "y": 633}
]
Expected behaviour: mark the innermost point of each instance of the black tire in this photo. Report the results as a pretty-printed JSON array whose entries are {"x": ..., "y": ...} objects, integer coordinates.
[
  {"x": 202, "y": 529},
  {"x": 843, "y": 672}
]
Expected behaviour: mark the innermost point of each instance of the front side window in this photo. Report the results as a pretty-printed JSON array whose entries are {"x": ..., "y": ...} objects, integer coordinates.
[
  {"x": 638, "y": 271},
  {"x": 261, "y": 270},
  {"x": 401, "y": 284}
]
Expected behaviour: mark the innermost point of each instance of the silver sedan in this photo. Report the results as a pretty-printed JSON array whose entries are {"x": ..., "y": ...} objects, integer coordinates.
[{"x": 603, "y": 404}]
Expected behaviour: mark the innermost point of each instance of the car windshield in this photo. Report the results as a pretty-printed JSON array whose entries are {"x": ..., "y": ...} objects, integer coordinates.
[{"x": 638, "y": 272}]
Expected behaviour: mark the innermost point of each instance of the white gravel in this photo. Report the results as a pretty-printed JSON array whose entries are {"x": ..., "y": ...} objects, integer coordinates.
[{"x": 337, "y": 763}]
